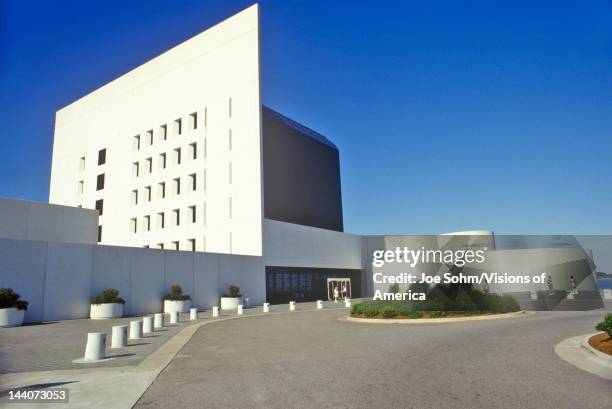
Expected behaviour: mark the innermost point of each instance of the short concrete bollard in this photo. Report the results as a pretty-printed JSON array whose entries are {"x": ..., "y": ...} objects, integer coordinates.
[
  {"x": 607, "y": 293},
  {"x": 534, "y": 295},
  {"x": 193, "y": 314},
  {"x": 319, "y": 305},
  {"x": 135, "y": 329},
  {"x": 159, "y": 320},
  {"x": 247, "y": 302},
  {"x": 291, "y": 305},
  {"x": 174, "y": 317},
  {"x": 347, "y": 302},
  {"x": 147, "y": 325},
  {"x": 240, "y": 309},
  {"x": 266, "y": 307},
  {"x": 95, "y": 348},
  {"x": 215, "y": 312},
  {"x": 119, "y": 336},
  {"x": 570, "y": 295}
]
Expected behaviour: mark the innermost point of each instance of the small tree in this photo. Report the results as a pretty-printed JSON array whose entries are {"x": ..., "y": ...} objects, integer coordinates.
[
  {"x": 10, "y": 299},
  {"x": 605, "y": 325},
  {"x": 176, "y": 294},
  {"x": 108, "y": 296},
  {"x": 233, "y": 291}
]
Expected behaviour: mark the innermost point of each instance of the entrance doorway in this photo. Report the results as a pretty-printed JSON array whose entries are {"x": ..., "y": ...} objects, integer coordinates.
[{"x": 342, "y": 284}]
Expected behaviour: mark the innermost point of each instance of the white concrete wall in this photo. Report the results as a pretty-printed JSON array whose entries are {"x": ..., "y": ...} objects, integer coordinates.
[
  {"x": 206, "y": 75},
  {"x": 27, "y": 220},
  {"x": 60, "y": 279},
  {"x": 287, "y": 244}
]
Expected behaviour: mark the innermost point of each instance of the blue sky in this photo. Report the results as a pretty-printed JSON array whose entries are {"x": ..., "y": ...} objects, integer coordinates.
[{"x": 449, "y": 115}]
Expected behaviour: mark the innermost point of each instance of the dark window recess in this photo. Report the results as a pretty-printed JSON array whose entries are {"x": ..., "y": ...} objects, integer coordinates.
[
  {"x": 102, "y": 156},
  {"x": 100, "y": 206},
  {"x": 99, "y": 234},
  {"x": 100, "y": 182}
]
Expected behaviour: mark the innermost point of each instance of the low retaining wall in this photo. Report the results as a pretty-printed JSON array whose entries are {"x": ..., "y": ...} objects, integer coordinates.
[{"x": 60, "y": 279}]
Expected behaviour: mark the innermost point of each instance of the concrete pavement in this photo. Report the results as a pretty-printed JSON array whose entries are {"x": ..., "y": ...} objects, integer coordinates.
[{"x": 316, "y": 361}]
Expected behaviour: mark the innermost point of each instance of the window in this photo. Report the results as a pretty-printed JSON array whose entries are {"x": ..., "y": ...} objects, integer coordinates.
[
  {"x": 177, "y": 217},
  {"x": 100, "y": 206},
  {"x": 163, "y": 132},
  {"x": 177, "y": 186},
  {"x": 161, "y": 220},
  {"x": 149, "y": 165},
  {"x": 193, "y": 150},
  {"x": 134, "y": 197},
  {"x": 175, "y": 245},
  {"x": 133, "y": 225},
  {"x": 146, "y": 246},
  {"x": 99, "y": 233},
  {"x": 150, "y": 137},
  {"x": 81, "y": 187},
  {"x": 231, "y": 240},
  {"x": 135, "y": 169},
  {"x": 204, "y": 213},
  {"x": 229, "y": 139},
  {"x": 205, "y": 117},
  {"x": 162, "y": 161},
  {"x": 177, "y": 156},
  {"x": 204, "y": 179},
  {"x": 148, "y": 193},
  {"x": 178, "y": 126},
  {"x": 147, "y": 223},
  {"x": 230, "y": 173},
  {"x": 193, "y": 182},
  {"x": 101, "y": 156},
  {"x": 136, "y": 142},
  {"x": 192, "y": 244},
  {"x": 205, "y": 147},
  {"x": 230, "y": 208},
  {"x": 192, "y": 213},
  {"x": 161, "y": 190},
  {"x": 229, "y": 103},
  {"x": 194, "y": 120},
  {"x": 100, "y": 182},
  {"x": 160, "y": 246},
  {"x": 204, "y": 243},
  {"x": 82, "y": 163}
]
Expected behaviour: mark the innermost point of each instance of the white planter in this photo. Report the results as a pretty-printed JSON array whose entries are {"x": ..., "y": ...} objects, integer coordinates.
[
  {"x": 106, "y": 311},
  {"x": 11, "y": 317},
  {"x": 230, "y": 303},
  {"x": 178, "y": 306}
]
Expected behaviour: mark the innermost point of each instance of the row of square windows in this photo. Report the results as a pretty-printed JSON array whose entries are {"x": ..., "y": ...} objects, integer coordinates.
[
  {"x": 146, "y": 165},
  {"x": 163, "y": 134},
  {"x": 175, "y": 218},
  {"x": 188, "y": 245},
  {"x": 192, "y": 184},
  {"x": 177, "y": 128}
]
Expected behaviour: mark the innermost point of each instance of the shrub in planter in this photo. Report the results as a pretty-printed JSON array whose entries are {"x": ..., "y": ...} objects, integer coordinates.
[
  {"x": 107, "y": 305},
  {"x": 175, "y": 300},
  {"x": 605, "y": 325},
  {"x": 232, "y": 298},
  {"x": 12, "y": 309}
]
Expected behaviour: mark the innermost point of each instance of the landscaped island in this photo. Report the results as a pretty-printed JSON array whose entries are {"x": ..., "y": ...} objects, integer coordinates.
[
  {"x": 603, "y": 341},
  {"x": 442, "y": 301}
]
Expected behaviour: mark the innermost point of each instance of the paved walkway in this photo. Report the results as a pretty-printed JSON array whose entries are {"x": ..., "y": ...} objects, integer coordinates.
[{"x": 313, "y": 360}]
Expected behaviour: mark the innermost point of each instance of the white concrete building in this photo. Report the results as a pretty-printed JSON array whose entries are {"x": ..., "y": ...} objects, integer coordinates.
[
  {"x": 170, "y": 153},
  {"x": 180, "y": 154}
]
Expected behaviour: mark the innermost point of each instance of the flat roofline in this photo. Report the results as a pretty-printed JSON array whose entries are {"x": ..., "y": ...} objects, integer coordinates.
[{"x": 298, "y": 127}]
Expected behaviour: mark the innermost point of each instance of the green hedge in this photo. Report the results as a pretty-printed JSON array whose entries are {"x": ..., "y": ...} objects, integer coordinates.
[{"x": 441, "y": 301}]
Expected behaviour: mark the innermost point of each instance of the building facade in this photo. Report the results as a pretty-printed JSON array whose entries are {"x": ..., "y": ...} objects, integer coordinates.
[{"x": 180, "y": 154}]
